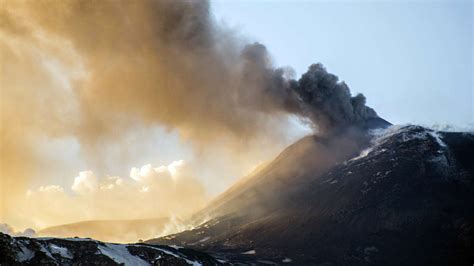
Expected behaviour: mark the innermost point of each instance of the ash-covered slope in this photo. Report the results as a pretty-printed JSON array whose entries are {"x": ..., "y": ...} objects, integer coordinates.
[
  {"x": 80, "y": 251},
  {"x": 407, "y": 198}
]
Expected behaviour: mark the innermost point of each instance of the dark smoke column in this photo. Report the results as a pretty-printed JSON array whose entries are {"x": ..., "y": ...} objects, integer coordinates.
[{"x": 328, "y": 103}]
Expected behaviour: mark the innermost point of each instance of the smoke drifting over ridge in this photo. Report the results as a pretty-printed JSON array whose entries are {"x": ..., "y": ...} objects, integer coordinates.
[
  {"x": 94, "y": 70},
  {"x": 168, "y": 62}
]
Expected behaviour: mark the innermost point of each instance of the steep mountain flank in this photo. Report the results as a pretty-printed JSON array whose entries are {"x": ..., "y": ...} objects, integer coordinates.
[{"x": 406, "y": 198}]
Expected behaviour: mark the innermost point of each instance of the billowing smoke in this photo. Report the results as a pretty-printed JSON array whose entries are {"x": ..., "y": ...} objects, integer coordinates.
[
  {"x": 168, "y": 62},
  {"x": 328, "y": 102},
  {"x": 93, "y": 71}
]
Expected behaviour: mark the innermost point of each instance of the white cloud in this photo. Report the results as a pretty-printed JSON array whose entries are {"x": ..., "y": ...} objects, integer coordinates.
[
  {"x": 174, "y": 167},
  {"x": 149, "y": 192},
  {"x": 86, "y": 182},
  {"x": 7, "y": 229},
  {"x": 161, "y": 174},
  {"x": 145, "y": 173}
]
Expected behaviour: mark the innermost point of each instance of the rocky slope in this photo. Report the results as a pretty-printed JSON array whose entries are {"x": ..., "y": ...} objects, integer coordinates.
[
  {"x": 400, "y": 196},
  {"x": 406, "y": 199},
  {"x": 80, "y": 251}
]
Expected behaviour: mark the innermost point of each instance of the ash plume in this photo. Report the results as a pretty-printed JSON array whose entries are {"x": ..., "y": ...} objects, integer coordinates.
[
  {"x": 93, "y": 71},
  {"x": 318, "y": 95},
  {"x": 168, "y": 62},
  {"x": 328, "y": 102}
]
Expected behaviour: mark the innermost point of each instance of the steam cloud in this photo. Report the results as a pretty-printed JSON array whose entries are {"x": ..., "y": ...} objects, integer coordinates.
[
  {"x": 94, "y": 70},
  {"x": 148, "y": 192},
  {"x": 7, "y": 229}
]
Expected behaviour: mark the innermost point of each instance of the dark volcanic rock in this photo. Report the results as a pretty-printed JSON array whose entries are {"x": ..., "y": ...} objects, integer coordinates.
[
  {"x": 406, "y": 199},
  {"x": 79, "y": 251}
]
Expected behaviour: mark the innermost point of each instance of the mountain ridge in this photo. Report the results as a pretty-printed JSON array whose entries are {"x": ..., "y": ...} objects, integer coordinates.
[
  {"x": 410, "y": 190},
  {"x": 109, "y": 230},
  {"x": 401, "y": 196},
  {"x": 83, "y": 251}
]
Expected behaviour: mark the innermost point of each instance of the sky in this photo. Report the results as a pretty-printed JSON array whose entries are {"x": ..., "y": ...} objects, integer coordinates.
[
  {"x": 105, "y": 121},
  {"x": 413, "y": 60}
]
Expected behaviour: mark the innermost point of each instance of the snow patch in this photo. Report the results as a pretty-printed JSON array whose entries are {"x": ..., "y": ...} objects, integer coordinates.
[
  {"x": 381, "y": 136},
  {"x": 120, "y": 254},
  {"x": 25, "y": 254},
  {"x": 46, "y": 252},
  {"x": 328, "y": 180},
  {"x": 62, "y": 251},
  {"x": 362, "y": 154},
  {"x": 190, "y": 262},
  {"x": 438, "y": 139},
  {"x": 250, "y": 252},
  {"x": 204, "y": 239},
  {"x": 287, "y": 260}
]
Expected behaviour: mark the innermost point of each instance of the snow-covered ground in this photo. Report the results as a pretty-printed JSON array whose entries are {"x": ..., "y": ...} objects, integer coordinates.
[
  {"x": 120, "y": 254},
  {"x": 67, "y": 250},
  {"x": 406, "y": 133}
]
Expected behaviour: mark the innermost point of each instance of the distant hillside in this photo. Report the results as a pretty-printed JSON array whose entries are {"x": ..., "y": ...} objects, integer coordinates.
[{"x": 118, "y": 231}]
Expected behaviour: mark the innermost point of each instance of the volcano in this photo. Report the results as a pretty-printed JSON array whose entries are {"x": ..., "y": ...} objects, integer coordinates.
[
  {"x": 397, "y": 195},
  {"x": 400, "y": 196}
]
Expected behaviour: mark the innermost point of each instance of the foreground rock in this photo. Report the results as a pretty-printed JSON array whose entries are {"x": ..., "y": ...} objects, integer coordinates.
[
  {"x": 80, "y": 251},
  {"x": 406, "y": 199}
]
